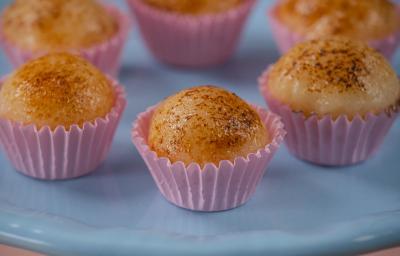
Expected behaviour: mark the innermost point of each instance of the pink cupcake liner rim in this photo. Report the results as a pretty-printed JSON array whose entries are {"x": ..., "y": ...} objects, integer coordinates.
[
  {"x": 190, "y": 19},
  {"x": 120, "y": 103},
  {"x": 263, "y": 87},
  {"x": 278, "y": 138}
]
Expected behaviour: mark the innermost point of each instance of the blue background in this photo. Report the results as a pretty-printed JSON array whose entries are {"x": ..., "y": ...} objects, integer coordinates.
[{"x": 298, "y": 209}]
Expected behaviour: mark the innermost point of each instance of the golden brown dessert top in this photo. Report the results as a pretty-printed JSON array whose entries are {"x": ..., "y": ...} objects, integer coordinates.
[
  {"x": 206, "y": 124},
  {"x": 57, "y": 89},
  {"x": 334, "y": 76},
  {"x": 359, "y": 19},
  {"x": 194, "y": 6},
  {"x": 47, "y": 25}
]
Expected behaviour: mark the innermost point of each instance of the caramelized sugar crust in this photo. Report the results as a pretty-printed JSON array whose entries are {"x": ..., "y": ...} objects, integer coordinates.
[
  {"x": 194, "y": 6},
  {"x": 47, "y": 25},
  {"x": 206, "y": 124},
  {"x": 334, "y": 76},
  {"x": 57, "y": 89},
  {"x": 359, "y": 19}
]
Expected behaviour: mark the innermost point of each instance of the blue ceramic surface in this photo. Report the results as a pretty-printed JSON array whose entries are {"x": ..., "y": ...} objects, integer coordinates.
[{"x": 298, "y": 209}]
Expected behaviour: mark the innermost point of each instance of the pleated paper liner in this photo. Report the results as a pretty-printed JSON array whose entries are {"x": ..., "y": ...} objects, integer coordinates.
[
  {"x": 61, "y": 153},
  {"x": 328, "y": 141},
  {"x": 211, "y": 188},
  {"x": 189, "y": 40},
  {"x": 287, "y": 39},
  {"x": 106, "y": 56}
]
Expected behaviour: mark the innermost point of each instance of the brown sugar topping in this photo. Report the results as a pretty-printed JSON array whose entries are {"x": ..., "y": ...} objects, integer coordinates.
[
  {"x": 48, "y": 25},
  {"x": 205, "y": 124},
  {"x": 362, "y": 19},
  {"x": 57, "y": 89},
  {"x": 330, "y": 65},
  {"x": 194, "y": 7},
  {"x": 334, "y": 76}
]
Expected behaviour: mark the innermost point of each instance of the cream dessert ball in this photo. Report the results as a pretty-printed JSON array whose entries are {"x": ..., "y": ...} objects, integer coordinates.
[
  {"x": 56, "y": 89},
  {"x": 357, "y": 19},
  {"x": 48, "y": 25},
  {"x": 206, "y": 124},
  {"x": 196, "y": 7},
  {"x": 335, "y": 77}
]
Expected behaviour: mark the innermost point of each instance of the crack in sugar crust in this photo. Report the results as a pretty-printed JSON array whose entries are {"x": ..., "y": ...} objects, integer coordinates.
[
  {"x": 57, "y": 89},
  {"x": 334, "y": 76},
  {"x": 205, "y": 124},
  {"x": 361, "y": 19}
]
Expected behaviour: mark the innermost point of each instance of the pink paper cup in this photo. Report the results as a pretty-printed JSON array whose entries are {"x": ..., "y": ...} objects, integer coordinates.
[
  {"x": 211, "y": 188},
  {"x": 106, "y": 56},
  {"x": 286, "y": 39},
  {"x": 328, "y": 141},
  {"x": 61, "y": 154},
  {"x": 188, "y": 40}
]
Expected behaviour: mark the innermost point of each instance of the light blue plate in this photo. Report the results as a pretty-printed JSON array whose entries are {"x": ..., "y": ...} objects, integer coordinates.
[{"x": 298, "y": 209}]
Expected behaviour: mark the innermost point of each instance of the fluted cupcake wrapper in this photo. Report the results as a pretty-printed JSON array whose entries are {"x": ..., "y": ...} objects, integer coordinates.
[
  {"x": 106, "y": 56},
  {"x": 60, "y": 153},
  {"x": 192, "y": 41},
  {"x": 327, "y": 141},
  {"x": 211, "y": 188},
  {"x": 286, "y": 39}
]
